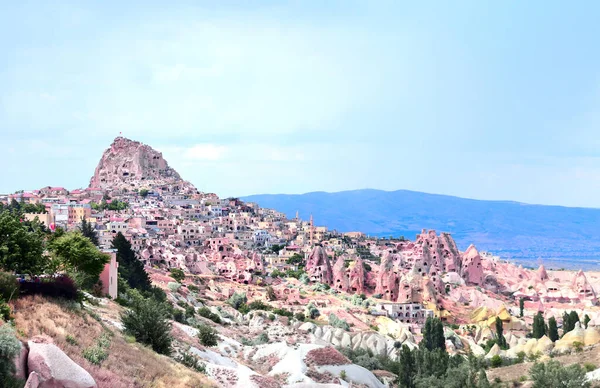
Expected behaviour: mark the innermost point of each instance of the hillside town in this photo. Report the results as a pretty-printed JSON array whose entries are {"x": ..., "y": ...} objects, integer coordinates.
[{"x": 374, "y": 294}]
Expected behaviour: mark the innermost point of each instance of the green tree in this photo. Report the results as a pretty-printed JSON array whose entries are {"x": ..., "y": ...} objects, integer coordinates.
[
  {"x": 521, "y": 306},
  {"x": 539, "y": 326},
  {"x": 407, "y": 371},
  {"x": 586, "y": 320},
  {"x": 433, "y": 335},
  {"x": 76, "y": 255},
  {"x": 500, "y": 340},
  {"x": 553, "y": 375},
  {"x": 144, "y": 193},
  {"x": 573, "y": 319},
  {"x": 89, "y": 231},
  {"x": 296, "y": 259},
  {"x": 147, "y": 320},
  {"x": 21, "y": 250},
  {"x": 207, "y": 335},
  {"x": 130, "y": 268},
  {"x": 552, "y": 329},
  {"x": 177, "y": 274}
]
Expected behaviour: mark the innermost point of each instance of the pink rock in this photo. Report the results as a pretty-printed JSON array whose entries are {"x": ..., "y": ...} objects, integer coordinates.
[
  {"x": 33, "y": 381},
  {"x": 387, "y": 278},
  {"x": 318, "y": 266},
  {"x": 20, "y": 362},
  {"x": 472, "y": 270},
  {"x": 54, "y": 368},
  {"x": 357, "y": 277},
  {"x": 340, "y": 279},
  {"x": 129, "y": 162}
]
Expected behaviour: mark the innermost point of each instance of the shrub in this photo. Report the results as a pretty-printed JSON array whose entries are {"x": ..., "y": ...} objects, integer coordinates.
[
  {"x": 312, "y": 310},
  {"x": 147, "y": 322},
  {"x": 58, "y": 287},
  {"x": 177, "y": 274},
  {"x": 578, "y": 346},
  {"x": 259, "y": 305},
  {"x": 190, "y": 311},
  {"x": 206, "y": 313},
  {"x": 193, "y": 288},
  {"x": 237, "y": 300},
  {"x": 272, "y": 317},
  {"x": 343, "y": 375},
  {"x": 496, "y": 361},
  {"x": 263, "y": 338},
  {"x": 95, "y": 354},
  {"x": 173, "y": 287},
  {"x": 521, "y": 357},
  {"x": 9, "y": 348},
  {"x": 207, "y": 335},
  {"x": 338, "y": 322},
  {"x": 192, "y": 362},
  {"x": 589, "y": 366},
  {"x": 71, "y": 340},
  {"x": 300, "y": 317},
  {"x": 5, "y": 311},
  {"x": 553, "y": 374},
  {"x": 9, "y": 286},
  {"x": 283, "y": 312}
]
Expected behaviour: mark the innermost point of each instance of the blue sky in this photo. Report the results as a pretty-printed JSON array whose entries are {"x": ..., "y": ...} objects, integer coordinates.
[{"x": 489, "y": 100}]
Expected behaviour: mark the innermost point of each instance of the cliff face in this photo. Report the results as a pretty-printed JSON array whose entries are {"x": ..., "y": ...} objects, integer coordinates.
[{"x": 131, "y": 164}]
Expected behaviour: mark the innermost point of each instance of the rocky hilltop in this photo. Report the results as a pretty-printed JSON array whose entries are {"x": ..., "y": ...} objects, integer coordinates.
[{"x": 131, "y": 164}]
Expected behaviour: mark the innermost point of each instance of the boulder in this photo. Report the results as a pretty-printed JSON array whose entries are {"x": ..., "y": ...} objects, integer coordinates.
[
  {"x": 591, "y": 336},
  {"x": 544, "y": 346},
  {"x": 33, "y": 381},
  {"x": 20, "y": 362},
  {"x": 54, "y": 368}
]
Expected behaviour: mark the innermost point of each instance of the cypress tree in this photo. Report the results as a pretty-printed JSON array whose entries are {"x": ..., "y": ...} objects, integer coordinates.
[
  {"x": 566, "y": 323},
  {"x": 439, "y": 340},
  {"x": 552, "y": 329},
  {"x": 407, "y": 371},
  {"x": 573, "y": 319},
  {"x": 130, "y": 268},
  {"x": 521, "y": 307},
  {"x": 427, "y": 341},
  {"x": 539, "y": 326},
  {"x": 88, "y": 231},
  {"x": 501, "y": 340}
]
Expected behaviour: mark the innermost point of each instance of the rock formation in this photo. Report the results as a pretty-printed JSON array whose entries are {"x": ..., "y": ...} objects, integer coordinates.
[
  {"x": 131, "y": 164},
  {"x": 471, "y": 269},
  {"x": 318, "y": 266},
  {"x": 387, "y": 278},
  {"x": 340, "y": 279},
  {"x": 357, "y": 277},
  {"x": 51, "y": 367}
]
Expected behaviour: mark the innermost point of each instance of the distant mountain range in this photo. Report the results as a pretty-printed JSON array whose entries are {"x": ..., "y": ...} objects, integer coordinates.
[{"x": 559, "y": 236}]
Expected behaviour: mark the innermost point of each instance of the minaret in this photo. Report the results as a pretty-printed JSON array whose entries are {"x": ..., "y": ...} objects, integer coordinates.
[
  {"x": 297, "y": 218},
  {"x": 312, "y": 230}
]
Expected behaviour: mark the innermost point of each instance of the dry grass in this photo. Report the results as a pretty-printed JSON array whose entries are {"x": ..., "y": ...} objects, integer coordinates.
[
  {"x": 128, "y": 365},
  {"x": 514, "y": 372}
]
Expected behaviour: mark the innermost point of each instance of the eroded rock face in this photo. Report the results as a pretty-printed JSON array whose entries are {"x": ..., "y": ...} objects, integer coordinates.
[
  {"x": 472, "y": 270},
  {"x": 387, "y": 278},
  {"x": 357, "y": 277},
  {"x": 129, "y": 163},
  {"x": 318, "y": 266},
  {"x": 53, "y": 367},
  {"x": 340, "y": 279}
]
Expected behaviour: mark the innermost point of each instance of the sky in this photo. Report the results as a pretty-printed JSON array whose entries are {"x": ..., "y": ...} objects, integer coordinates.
[{"x": 486, "y": 100}]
